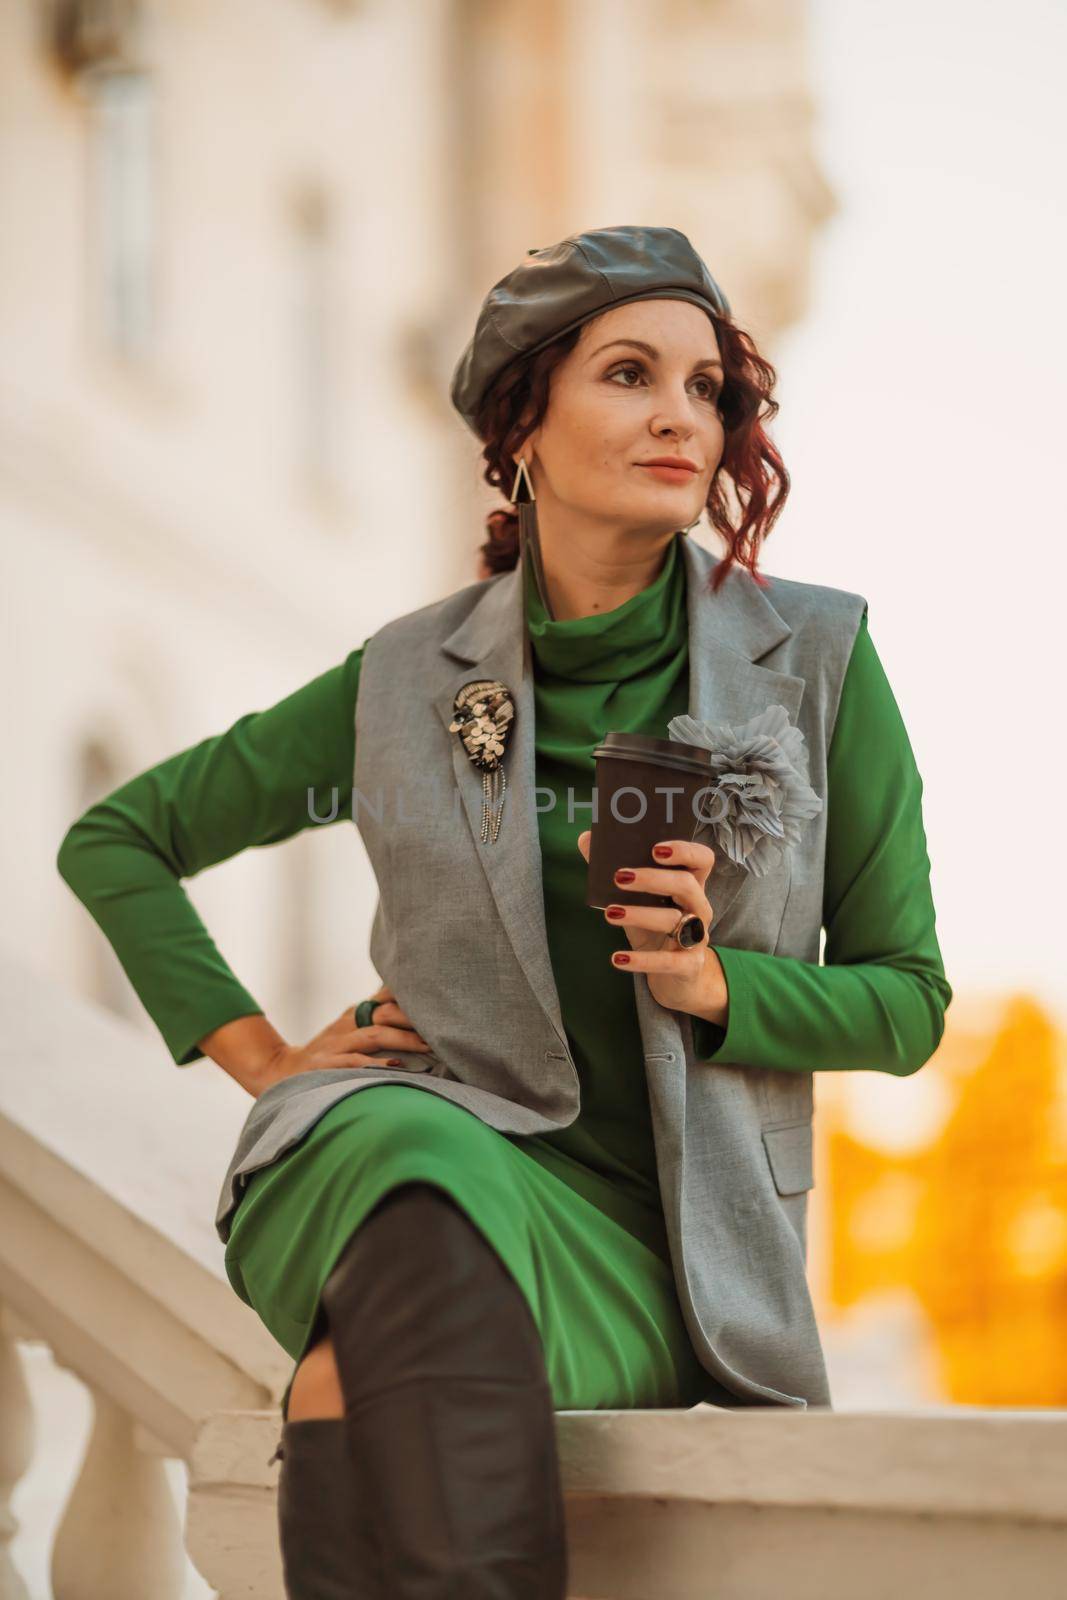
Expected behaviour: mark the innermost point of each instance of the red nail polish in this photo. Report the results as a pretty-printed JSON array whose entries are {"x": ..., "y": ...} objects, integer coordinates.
[
  {"x": 624, "y": 875},
  {"x": 621, "y": 959},
  {"x": 615, "y": 912},
  {"x": 662, "y": 850}
]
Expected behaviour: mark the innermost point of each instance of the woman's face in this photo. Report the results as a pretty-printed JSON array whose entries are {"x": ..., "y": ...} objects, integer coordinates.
[{"x": 611, "y": 409}]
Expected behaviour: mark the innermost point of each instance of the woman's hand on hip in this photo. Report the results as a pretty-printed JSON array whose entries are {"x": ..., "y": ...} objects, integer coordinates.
[
  {"x": 680, "y": 980},
  {"x": 342, "y": 1045}
]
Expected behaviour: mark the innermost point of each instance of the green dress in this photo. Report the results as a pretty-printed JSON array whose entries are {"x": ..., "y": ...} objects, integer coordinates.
[{"x": 575, "y": 1215}]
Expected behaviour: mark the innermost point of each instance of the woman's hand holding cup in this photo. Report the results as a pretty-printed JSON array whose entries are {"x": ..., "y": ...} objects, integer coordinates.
[{"x": 680, "y": 980}]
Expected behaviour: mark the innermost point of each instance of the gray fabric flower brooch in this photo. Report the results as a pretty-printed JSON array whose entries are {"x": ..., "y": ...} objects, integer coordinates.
[{"x": 762, "y": 793}]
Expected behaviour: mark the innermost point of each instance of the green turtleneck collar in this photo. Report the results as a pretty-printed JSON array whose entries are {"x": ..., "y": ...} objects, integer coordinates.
[{"x": 617, "y": 644}]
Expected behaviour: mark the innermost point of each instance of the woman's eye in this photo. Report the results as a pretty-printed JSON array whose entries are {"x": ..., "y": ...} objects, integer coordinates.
[{"x": 712, "y": 389}]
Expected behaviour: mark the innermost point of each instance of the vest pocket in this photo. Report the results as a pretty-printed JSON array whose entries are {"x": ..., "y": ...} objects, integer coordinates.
[{"x": 789, "y": 1152}]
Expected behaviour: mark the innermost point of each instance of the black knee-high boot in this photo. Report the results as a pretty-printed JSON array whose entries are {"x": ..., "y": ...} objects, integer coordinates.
[
  {"x": 326, "y": 1548},
  {"x": 448, "y": 1408}
]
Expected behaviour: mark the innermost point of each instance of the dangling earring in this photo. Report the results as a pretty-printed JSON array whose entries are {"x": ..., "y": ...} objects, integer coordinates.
[
  {"x": 522, "y": 476},
  {"x": 522, "y": 496}
]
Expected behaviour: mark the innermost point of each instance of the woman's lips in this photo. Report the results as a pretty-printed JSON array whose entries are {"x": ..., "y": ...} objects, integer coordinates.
[{"x": 670, "y": 474}]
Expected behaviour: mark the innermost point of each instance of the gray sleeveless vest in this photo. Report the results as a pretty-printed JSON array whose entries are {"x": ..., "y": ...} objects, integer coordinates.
[{"x": 459, "y": 936}]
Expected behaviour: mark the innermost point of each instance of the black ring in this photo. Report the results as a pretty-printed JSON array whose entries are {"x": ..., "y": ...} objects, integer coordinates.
[{"x": 691, "y": 931}]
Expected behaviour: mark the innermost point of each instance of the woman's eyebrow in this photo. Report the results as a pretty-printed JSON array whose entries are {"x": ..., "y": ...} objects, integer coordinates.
[{"x": 650, "y": 350}]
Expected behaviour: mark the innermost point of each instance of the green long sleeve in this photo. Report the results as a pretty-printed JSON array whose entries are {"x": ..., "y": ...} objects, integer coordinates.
[
  {"x": 126, "y": 855},
  {"x": 879, "y": 1001}
]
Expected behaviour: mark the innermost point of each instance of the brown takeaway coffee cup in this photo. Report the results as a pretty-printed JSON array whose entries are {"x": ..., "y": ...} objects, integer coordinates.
[{"x": 645, "y": 791}]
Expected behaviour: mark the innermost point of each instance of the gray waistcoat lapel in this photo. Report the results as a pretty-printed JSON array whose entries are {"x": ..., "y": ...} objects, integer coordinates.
[{"x": 727, "y": 637}]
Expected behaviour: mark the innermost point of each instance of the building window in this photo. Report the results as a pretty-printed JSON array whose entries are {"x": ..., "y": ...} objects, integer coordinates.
[
  {"x": 315, "y": 336},
  {"x": 122, "y": 168}
]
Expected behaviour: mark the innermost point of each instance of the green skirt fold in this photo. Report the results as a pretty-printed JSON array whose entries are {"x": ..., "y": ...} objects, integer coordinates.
[{"x": 599, "y": 1285}]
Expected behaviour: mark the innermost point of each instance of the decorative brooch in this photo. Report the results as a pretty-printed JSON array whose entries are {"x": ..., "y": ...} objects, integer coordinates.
[
  {"x": 484, "y": 717},
  {"x": 762, "y": 794}
]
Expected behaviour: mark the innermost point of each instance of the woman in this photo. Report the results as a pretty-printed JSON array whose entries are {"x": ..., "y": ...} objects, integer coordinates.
[{"x": 598, "y": 1198}]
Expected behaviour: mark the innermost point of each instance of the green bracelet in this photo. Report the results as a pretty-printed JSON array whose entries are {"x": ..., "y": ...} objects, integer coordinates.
[{"x": 363, "y": 1012}]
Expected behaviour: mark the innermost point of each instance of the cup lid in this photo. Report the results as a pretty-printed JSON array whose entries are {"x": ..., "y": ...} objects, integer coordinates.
[{"x": 660, "y": 752}]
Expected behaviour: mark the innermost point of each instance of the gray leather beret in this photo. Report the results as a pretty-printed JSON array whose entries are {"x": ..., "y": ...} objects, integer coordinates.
[{"x": 565, "y": 284}]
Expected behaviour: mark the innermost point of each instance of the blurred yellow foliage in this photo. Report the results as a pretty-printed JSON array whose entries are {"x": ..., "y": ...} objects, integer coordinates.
[{"x": 974, "y": 1222}]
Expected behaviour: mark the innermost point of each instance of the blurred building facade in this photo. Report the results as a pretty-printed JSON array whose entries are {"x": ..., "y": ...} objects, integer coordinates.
[{"x": 243, "y": 248}]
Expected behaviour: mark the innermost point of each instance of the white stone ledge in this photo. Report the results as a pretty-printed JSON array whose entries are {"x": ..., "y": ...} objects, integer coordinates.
[
  {"x": 740, "y": 1504},
  {"x": 963, "y": 1461}
]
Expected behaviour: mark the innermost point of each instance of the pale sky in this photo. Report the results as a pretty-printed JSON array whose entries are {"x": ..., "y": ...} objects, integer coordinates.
[{"x": 923, "y": 420}]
